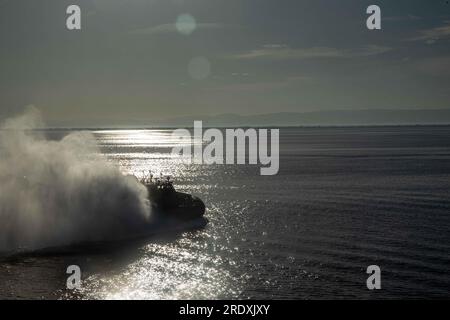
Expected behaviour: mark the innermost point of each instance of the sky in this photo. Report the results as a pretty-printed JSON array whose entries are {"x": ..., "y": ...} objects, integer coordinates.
[{"x": 149, "y": 60}]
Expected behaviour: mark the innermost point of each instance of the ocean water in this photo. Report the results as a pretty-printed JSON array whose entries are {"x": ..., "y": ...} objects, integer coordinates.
[{"x": 344, "y": 199}]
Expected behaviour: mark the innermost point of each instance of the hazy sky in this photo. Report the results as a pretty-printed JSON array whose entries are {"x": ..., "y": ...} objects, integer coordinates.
[{"x": 132, "y": 62}]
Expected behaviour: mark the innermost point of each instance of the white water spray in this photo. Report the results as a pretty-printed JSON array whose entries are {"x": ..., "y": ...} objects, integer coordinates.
[{"x": 61, "y": 192}]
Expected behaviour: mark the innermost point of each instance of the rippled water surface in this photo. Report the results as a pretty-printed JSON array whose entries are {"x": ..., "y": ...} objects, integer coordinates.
[{"x": 344, "y": 199}]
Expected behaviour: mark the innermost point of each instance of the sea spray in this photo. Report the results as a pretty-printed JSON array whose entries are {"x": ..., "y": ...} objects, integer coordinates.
[{"x": 61, "y": 192}]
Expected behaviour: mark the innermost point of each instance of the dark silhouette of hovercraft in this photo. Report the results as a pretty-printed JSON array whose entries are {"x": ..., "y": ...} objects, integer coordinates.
[{"x": 171, "y": 204}]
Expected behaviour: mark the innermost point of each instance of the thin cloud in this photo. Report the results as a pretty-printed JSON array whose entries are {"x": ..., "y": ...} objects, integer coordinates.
[
  {"x": 273, "y": 45},
  {"x": 286, "y": 53},
  {"x": 434, "y": 34},
  {"x": 170, "y": 28}
]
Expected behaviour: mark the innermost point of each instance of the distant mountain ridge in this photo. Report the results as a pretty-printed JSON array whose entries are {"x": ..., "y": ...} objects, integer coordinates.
[
  {"x": 280, "y": 119},
  {"x": 320, "y": 118}
]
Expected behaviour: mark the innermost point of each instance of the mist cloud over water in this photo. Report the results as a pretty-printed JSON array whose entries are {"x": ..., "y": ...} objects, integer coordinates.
[{"x": 61, "y": 192}]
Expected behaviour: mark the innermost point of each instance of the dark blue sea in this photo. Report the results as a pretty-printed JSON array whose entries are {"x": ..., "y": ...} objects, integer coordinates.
[{"x": 345, "y": 198}]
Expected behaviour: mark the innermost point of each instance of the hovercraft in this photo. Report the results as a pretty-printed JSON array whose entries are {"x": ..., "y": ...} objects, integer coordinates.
[{"x": 167, "y": 202}]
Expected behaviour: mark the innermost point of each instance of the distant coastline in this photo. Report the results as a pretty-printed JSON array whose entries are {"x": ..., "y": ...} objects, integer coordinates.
[
  {"x": 243, "y": 127},
  {"x": 315, "y": 119}
]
